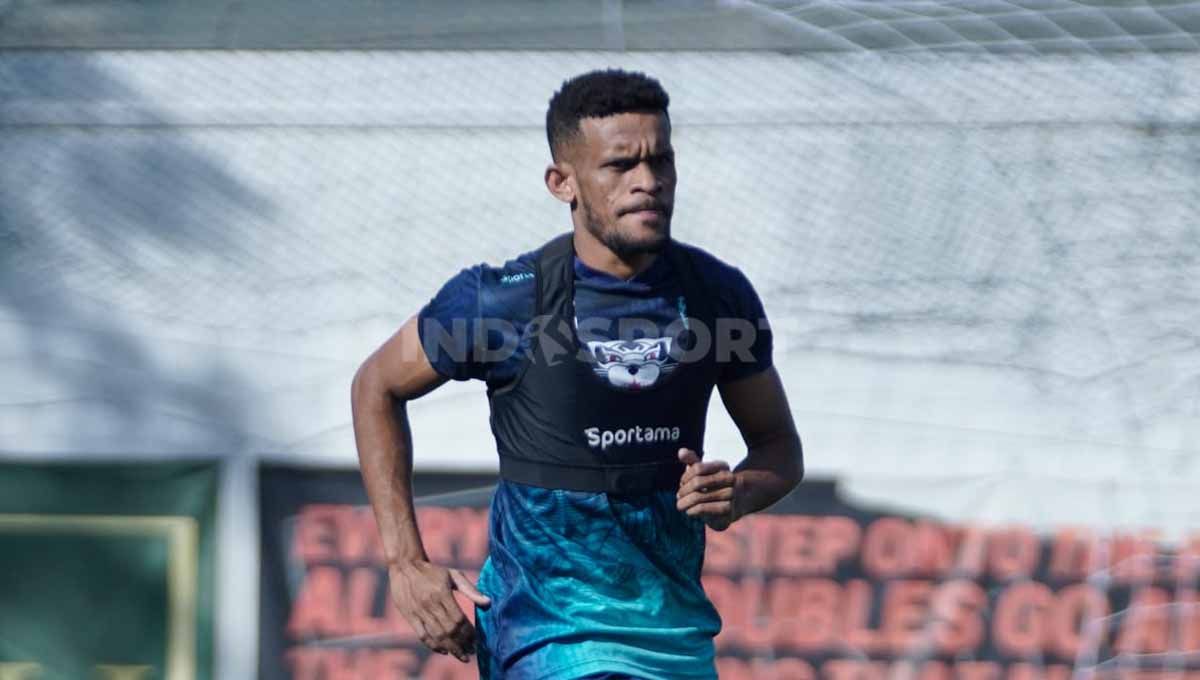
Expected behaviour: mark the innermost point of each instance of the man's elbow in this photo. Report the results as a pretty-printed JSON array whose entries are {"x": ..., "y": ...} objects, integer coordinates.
[{"x": 366, "y": 382}]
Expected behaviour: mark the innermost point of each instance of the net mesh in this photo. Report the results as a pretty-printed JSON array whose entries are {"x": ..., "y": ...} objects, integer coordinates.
[{"x": 974, "y": 227}]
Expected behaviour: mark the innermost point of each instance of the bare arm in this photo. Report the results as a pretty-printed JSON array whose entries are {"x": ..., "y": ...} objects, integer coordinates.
[
  {"x": 394, "y": 374},
  {"x": 774, "y": 462}
]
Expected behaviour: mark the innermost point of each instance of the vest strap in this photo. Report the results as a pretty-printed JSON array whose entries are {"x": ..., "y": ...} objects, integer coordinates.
[{"x": 638, "y": 478}]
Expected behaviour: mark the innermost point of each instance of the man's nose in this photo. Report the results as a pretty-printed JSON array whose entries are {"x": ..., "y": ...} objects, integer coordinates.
[{"x": 647, "y": 179}]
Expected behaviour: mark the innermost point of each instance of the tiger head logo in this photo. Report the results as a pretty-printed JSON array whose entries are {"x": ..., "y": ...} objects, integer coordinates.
[{"x": 632, "y": 364}]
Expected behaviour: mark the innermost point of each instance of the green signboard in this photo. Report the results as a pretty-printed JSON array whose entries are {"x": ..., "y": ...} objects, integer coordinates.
[{"x": 106, "y": 571}]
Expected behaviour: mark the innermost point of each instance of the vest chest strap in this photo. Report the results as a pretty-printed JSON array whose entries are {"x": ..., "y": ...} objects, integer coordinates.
[{"x": 638, "y": 478}]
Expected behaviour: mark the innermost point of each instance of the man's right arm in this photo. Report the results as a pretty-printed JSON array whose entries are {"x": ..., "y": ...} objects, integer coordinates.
[{"x": 394, "y": 374}]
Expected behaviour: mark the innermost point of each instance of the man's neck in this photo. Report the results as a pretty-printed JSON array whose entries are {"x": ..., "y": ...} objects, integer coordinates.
[{"x": 597, "y": 256}]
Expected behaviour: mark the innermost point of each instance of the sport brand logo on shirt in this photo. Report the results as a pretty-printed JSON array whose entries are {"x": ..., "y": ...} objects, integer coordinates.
[{"x": 602, "y": 439}]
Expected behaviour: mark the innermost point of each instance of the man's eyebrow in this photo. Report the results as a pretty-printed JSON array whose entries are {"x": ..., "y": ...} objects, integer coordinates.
[{"x": 625, "y": 154}]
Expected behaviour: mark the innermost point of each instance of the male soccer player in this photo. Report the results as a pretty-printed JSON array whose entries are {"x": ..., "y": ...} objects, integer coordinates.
[{"x": 600, "y": 351}]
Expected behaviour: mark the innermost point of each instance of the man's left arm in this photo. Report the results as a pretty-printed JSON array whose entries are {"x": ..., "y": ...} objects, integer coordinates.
[{"x": 774, "y": 462}]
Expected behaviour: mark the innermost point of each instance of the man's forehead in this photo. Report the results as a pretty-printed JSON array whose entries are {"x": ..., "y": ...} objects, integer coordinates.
[{"x": 624, "y": 131}]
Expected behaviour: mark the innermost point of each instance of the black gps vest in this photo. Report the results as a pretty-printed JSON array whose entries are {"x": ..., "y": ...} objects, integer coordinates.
[{"x": 557, "y": 425}]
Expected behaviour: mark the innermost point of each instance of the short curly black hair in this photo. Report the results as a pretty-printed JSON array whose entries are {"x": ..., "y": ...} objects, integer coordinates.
[{"x": 597, "y": 94}]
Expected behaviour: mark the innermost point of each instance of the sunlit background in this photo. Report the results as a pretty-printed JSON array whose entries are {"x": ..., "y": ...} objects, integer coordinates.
[{"x": 975, "y": 227}]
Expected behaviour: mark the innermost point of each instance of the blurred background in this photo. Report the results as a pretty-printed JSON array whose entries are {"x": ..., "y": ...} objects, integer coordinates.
[{"x": 975, "y": 227}]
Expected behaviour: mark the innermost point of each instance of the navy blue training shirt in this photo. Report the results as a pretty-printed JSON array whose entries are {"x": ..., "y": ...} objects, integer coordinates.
[{"x": 586, "y": 582}]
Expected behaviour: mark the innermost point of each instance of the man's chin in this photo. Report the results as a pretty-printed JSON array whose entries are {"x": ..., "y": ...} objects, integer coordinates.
[
  {"x": 648, "y": 230},
  {"x": 658, "y": 243},
  {"x": 642, "y": 240}
]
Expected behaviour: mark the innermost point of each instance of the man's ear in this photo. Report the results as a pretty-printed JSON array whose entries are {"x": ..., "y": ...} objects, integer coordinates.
[{"x": 561, "y": 182}]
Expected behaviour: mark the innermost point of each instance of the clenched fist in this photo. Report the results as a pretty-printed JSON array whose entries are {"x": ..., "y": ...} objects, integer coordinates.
[{"x": 708, "y": 490}]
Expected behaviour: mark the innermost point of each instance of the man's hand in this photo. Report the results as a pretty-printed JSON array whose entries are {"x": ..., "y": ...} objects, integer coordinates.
[
  {"x": 423, "y": 592},
  {"x": 707, "y": 490}
]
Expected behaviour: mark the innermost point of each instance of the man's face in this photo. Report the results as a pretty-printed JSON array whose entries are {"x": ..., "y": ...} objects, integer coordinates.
[{"x": 625, "y": 173}]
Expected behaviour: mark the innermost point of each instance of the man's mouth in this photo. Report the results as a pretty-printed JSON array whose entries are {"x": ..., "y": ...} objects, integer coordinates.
[{"x": 647, "y": 211}]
